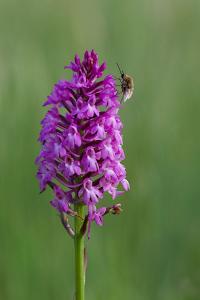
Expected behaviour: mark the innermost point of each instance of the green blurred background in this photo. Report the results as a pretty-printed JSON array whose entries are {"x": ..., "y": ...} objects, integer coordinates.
[{"x": 152, "y": 250}]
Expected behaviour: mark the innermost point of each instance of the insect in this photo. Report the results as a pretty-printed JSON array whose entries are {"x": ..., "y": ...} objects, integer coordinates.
[{"x": 127, "y": 85}]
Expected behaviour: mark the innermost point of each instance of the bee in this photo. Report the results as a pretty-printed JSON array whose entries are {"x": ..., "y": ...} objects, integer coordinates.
[{"x": 127, "y": 85}]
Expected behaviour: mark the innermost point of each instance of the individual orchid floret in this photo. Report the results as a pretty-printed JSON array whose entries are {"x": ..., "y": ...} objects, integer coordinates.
[
  {"x": 72, "y": 137},
  {"x": 61, "y": 201},
  {"x": 89, "y": 161},
  {"x": 89, "y": 193}
]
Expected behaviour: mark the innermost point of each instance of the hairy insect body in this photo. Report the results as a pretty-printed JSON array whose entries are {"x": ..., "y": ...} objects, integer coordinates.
[{"x": 127, "y": 85}]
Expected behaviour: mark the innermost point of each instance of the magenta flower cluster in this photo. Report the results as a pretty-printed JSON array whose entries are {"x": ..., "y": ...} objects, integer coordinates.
[{"x": 81, "y": 140}]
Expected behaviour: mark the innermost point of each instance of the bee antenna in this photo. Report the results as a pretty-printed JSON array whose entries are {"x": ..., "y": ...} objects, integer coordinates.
[{"x": 121, "y": 72}]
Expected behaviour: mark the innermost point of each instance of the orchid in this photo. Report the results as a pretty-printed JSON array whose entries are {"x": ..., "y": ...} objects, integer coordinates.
[{"x": 81, "y": 153}]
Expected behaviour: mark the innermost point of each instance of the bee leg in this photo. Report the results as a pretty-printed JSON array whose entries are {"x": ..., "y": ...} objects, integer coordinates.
[
  {"x": 122, "y": 98},
  {"x": 117, "y": 78}
]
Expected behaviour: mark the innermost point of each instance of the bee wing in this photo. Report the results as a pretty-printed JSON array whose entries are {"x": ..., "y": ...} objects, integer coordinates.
[{"x": 127, "y": 95}]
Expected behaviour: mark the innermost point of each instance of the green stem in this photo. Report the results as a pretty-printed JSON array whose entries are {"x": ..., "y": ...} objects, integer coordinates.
[{"x": 79, "y": 254}]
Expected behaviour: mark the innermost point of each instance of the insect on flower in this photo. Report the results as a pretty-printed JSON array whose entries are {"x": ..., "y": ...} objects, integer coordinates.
[
  {"x": 127, "y": 85},
  {"x": 81, "y": 136}
]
